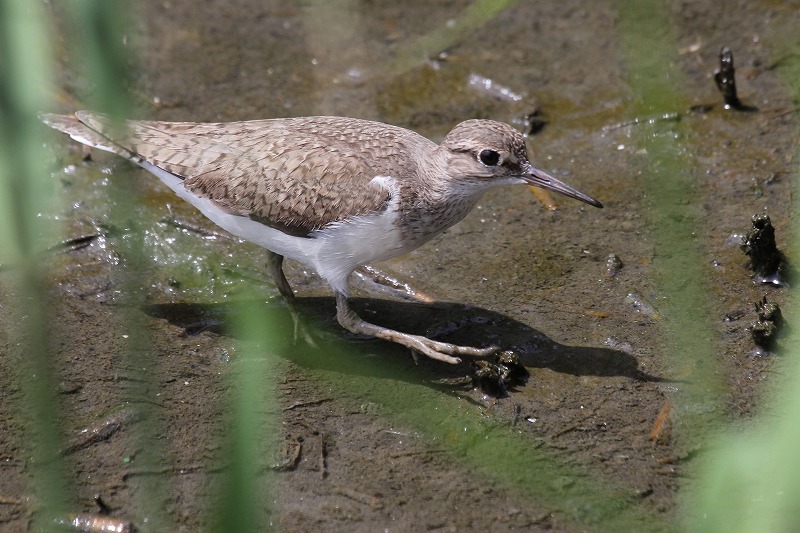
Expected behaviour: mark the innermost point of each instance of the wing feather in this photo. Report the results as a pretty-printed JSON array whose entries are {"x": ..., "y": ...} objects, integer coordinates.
[{"x": 297, "y": 175}]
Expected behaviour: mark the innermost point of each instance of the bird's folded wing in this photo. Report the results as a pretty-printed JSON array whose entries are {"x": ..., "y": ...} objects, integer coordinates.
[{"x": 283, "y": 178}]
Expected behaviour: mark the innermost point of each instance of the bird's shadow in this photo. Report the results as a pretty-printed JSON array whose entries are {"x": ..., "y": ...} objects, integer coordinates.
[{"x": 333, "y": 349}]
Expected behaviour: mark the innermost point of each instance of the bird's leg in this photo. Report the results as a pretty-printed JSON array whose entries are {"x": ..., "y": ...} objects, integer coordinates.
[
  {"x": 275, "y": 266},
  {"x": 387, "y": 283},
  {"x": 441, "y": 351}
]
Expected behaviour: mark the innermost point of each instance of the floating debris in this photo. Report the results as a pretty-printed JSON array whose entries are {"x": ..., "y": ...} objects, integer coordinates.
[
  {"x": 768, "y": 263},
  {"x": 770, "y": 320},
  {"x": 615, "y": 343},
  {"x": 641, "y": 305},
  {"x": 527, "y": 115},
  {"x": 665, "y": 117},
  {"x": 91, "y": 523},
  {"x": 725, "y": 78},
  {"x": 492, "y": 88}
]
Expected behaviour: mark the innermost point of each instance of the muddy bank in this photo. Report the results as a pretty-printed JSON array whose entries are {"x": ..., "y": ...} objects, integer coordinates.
[{"x": 604, "y": 433}]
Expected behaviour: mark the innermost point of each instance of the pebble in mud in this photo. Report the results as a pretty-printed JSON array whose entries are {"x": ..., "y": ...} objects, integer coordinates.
[{"x": 613, "y": 265}]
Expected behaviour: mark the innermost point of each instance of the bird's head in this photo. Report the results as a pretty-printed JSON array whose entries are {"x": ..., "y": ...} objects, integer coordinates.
[{"x": 486, "y": 153}]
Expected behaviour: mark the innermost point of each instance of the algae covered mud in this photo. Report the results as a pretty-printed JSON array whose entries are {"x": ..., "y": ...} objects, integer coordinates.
[{"x": 633, "y": 322}]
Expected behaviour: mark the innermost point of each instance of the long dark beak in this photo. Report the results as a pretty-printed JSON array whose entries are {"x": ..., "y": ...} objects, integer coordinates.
[{"x": 537, "y": 178}]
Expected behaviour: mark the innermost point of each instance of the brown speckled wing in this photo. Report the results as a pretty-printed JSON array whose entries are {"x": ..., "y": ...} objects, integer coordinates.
[{"x": 296, "y": 175}]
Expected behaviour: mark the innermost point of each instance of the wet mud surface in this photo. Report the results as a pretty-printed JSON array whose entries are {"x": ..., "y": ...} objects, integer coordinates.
[{"x": 600, "y": 435}]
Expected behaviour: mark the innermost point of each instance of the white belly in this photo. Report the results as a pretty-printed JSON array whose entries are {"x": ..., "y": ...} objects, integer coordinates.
[{"x": 334, "y": 251}]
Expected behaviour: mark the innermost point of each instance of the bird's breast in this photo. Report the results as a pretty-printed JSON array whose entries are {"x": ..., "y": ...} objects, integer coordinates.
[{"x": 425, "y": 218}]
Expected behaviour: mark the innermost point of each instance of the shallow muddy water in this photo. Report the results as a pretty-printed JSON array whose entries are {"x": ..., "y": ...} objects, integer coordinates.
[{"x": 634, "y": 362}]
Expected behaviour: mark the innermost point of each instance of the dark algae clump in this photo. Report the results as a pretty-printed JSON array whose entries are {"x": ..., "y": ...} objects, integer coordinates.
[
  {"x": 769, "y": 323},
  {"x": 768, "y": 263},
  {"x": 494, "y": 377}
]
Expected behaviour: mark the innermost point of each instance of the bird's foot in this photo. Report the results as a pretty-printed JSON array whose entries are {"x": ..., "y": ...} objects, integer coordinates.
[{"x": 440, "y": 351}]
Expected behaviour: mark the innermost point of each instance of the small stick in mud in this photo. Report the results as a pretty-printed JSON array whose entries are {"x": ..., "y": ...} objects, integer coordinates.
[
  {"x": 102, "y": 430},
  {"x": 725, "y": 78},
  {"x": 660, "y": 434}
]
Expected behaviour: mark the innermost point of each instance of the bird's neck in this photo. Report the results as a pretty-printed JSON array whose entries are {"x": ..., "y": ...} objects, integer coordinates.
[{"x": 435, "y": 200}]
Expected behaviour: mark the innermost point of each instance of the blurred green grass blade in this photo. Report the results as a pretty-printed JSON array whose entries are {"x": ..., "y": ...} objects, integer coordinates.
[
  {"x": 102, "y": 28},
  {"x": 244, "y": 500},
  {"x": 26, "y": 228},
  {"x": 469, "y": 20},
  {"x": 23, "y": 86},
  {"x": 141, "y": 365}
]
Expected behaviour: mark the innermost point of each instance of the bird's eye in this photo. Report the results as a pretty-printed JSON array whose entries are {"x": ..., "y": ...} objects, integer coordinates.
[{"x": 488, "y": 157}]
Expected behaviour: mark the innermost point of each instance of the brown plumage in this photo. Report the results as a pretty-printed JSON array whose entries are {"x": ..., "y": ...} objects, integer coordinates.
[
  {"x": 295, "y": 174},
  {"x": 332, "y": 192}
]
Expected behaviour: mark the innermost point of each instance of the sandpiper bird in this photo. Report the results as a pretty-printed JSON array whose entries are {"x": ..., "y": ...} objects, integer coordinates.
[{"x": 333, "y": 193}]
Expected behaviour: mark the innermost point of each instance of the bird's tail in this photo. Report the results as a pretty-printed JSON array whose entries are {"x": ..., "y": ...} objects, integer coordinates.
[{"x": 78, "y": 127}]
